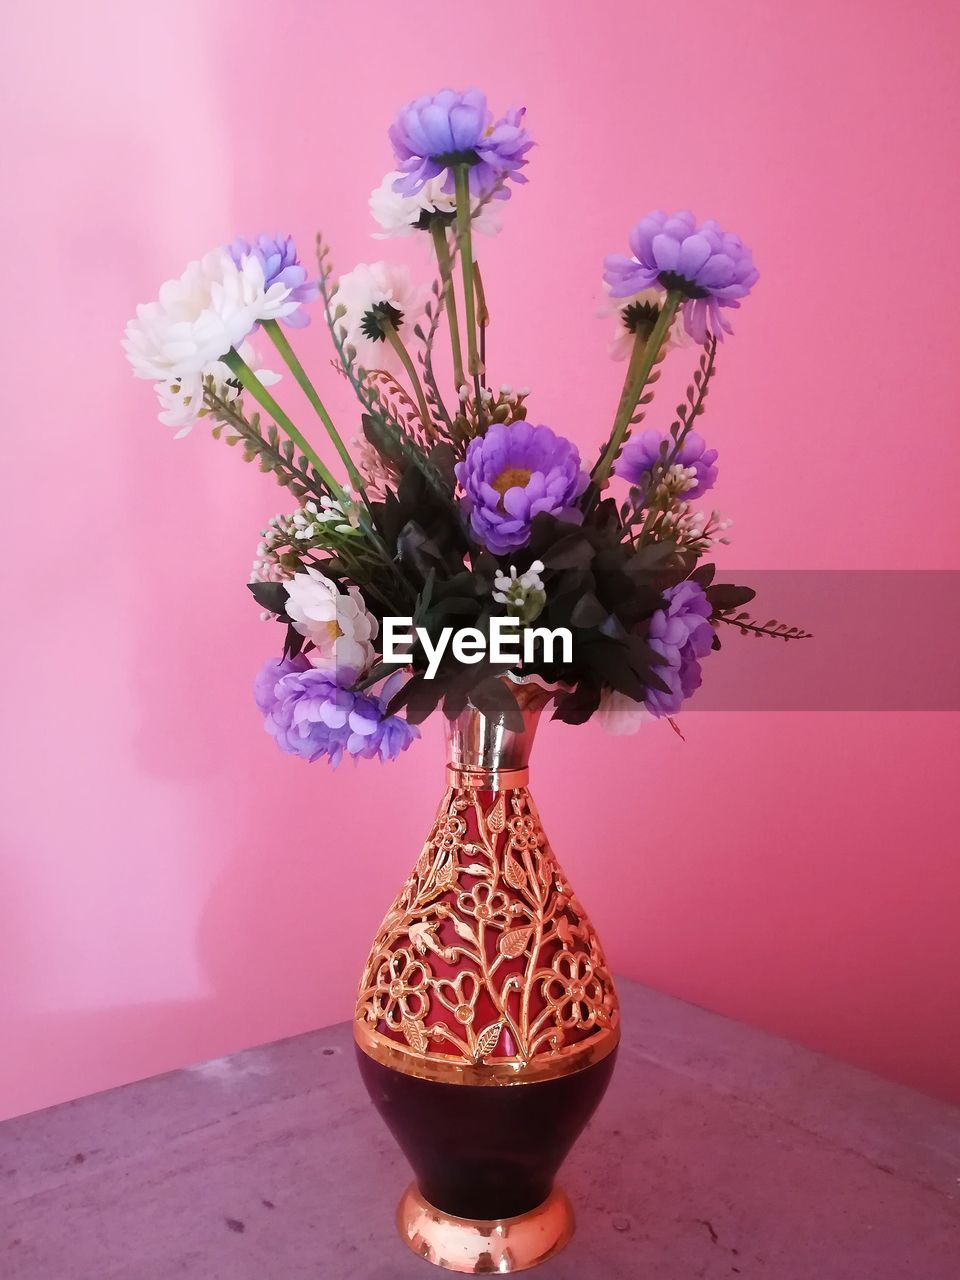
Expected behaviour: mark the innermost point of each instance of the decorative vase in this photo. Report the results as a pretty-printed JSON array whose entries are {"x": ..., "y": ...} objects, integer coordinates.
[{"x": 487, "y": 1021}]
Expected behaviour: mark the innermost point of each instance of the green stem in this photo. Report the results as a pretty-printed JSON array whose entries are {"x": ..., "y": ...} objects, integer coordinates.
[
  {"x": 250, "y": 382},
  {"x": 391, "y": 335},
  {"x": 279, "y": 339},
  {"x": 461, "y": 178},
  {"x": 439, "y": 233},
  {"x": 642, "y": 360}
]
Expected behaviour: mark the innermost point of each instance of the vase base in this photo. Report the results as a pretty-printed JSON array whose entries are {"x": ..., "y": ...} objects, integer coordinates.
[{"x": 479, "y": 1247}]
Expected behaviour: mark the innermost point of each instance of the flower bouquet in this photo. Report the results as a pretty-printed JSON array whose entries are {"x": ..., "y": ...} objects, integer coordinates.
[{"x": 459, "y": 557}]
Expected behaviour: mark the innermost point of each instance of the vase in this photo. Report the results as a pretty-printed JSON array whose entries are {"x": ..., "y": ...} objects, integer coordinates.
[{"x": 487, "y": 1020}]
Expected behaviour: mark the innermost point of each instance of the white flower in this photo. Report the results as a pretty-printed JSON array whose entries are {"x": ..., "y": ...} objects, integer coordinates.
[
  {"x": 399, "y": 215},
  {"x": 336, "y": 621},
  {"x": 621, "y": 344},
  {"x": 198, "y": 318},
  {"x": 524, "y": 596},
  {"x": 366, "y": 292},
  {"x": 181, "y": 399},
  {"x": 621, "y": 715}
]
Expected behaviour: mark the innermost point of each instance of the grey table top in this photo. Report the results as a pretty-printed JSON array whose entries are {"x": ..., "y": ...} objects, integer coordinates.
[{"x": 718, "y": 1152}]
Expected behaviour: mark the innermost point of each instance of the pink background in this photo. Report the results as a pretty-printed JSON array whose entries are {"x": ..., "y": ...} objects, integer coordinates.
[{"x": 171, "y": 887}]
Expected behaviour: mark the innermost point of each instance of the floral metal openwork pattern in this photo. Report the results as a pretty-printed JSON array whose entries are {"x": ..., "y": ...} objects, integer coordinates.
[{"x": 487, "y": 959}]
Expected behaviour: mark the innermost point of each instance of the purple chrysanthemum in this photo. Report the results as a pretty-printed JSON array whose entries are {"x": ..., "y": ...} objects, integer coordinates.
[
  {"x": 513, "y": 473},
  {"x": 311, "y": 715},
  {"x": 440, "y": 130},
  {"x": 278, "y": 257},
  {"x": 682, "y": 635},
  {"x": 712, "y": 268},
  {"x": 643, "y": 452}
]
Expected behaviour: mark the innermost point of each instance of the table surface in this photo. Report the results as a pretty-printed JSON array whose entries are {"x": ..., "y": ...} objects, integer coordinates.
[{"x": 718, "y": 1152}]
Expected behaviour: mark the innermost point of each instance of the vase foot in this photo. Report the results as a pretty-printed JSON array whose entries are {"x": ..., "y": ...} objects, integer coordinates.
[{"x": 479, "y": 1247}]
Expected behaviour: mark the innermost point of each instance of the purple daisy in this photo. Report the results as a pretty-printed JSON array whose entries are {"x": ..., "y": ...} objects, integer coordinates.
[
  {"x": 644, "y": 451},
  {"x": 681, "y": 633},
  {"x": 511, "y": 474},
  {"x": 440, "y": 130},
  {"x": 281, "y": 265},
  {"x": 712, "y": 268},
  {"x": 310, "y": 714}
]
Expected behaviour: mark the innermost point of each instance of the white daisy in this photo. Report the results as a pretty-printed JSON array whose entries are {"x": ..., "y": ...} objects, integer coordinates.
[
  {"x": 627, "y": 310},
  {"x": 336, "y": 621},
  {"x": 181, "y": 399},
  {"x": 369, "y": 293},
  {"x": 198, "y": 318},
  {"x": 398, "y": 215}
]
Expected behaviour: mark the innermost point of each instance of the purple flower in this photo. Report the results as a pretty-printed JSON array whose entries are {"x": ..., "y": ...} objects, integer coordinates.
[
  {"x": 682, "y": 635},
  {"x": 645, "y": 450},
  {"x": 278, "y": 257},
  {"x": 437, "y": 131},
  {"x": 513, "y": 473},
  {"x": 311, "y": 715},
  {"x": 712, "y": 268}
]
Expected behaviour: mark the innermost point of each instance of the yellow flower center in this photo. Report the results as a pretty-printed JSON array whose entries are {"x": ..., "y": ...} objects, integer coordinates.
[
  {"x": 511, "y": 478},
  {"x": 332, "y": 631}
]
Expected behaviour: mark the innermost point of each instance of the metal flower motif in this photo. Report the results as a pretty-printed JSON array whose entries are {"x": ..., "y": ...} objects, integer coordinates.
[
  {"x": 524, "y": 832},
  {"x": 485, "y": 903},
  {"x": 574, "y": 990},
  {"x": 454, "y": 994},
  {"x": 401, "y": 989},
  {"x": 449, "y": 832}
]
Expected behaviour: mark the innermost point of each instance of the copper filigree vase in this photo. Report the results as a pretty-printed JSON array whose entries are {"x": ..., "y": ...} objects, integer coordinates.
[{"x": 487, "y": 1020}]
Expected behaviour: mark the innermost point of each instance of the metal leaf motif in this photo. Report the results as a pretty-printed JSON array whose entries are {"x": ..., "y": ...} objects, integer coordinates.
[
  {"x": 413, "y": 1034},
  {"x": 513, "y": 873},
  {"x": 497, "y": 816},
  {"x": 445, "y": 874},
  {"x": 487, "y": 1040},
  {"x": 513, "y": 942}
]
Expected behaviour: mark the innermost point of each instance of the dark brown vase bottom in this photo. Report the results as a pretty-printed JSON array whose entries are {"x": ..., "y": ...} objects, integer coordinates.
[{"x": 485, "y": 1152}]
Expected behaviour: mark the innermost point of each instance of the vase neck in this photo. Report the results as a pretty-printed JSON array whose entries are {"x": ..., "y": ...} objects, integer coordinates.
[{"x": 478, "y": 743}]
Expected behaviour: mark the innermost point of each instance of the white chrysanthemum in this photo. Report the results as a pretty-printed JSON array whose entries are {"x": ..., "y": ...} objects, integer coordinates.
[
  {"x": 398, "y": 215},
  {"x": 623, "y": 336},
  {"x": 336, "y": 621},
  {"x": 181, "y": 399},
  {"x": 621, "y": 715},
  {"x": 373, "y": 285},
  {"x": 198, "y": 318}
]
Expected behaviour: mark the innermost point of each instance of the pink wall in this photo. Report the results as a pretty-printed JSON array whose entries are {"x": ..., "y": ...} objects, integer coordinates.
[{"x": 171, "y": 888}]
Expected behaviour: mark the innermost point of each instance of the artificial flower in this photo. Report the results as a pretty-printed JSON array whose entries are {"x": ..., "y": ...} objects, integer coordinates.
[
  {"x": 645, "y": 450},
  {"x": 181, "y": 399},
  {"x": 682, "y": 635},
  {"x": 198, "y": 318},
  {"x": 337, "y": 622},
  {"x": 310, "y": 714},
  {"x": 524, "y": 595},
  {"x": 639, "y": 314},
  {"x": 437, "y": 131},
  {"x": 399, "y": 215},
  {"x": 511, "y": 474},
  {"x": 620, "y": 714},
  {"x": 370, "y": 294},
  {"x": 712, "y": 268},
  {"x": 281, "y": 266}
]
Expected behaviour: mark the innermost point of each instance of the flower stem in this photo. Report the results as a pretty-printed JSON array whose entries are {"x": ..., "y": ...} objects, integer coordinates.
[
  {"x": 642, "y": 360},
  {"x": 439, "y": 233},
  {"x": 279, "y": 339},
  {"x": 250, "y": 382},
  {"x": 461, "y": 178},
  {"x": 393, "y": 337}
]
